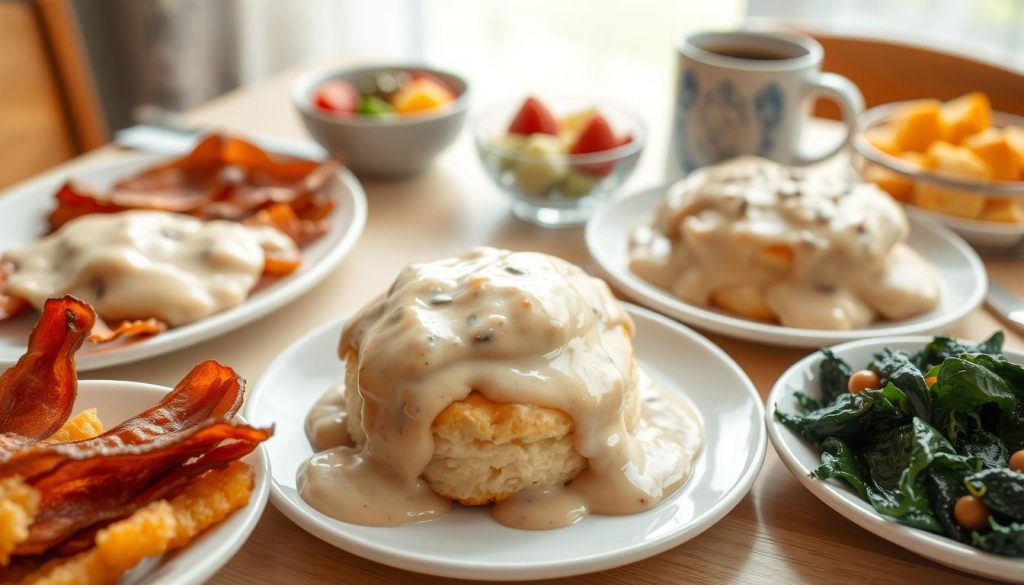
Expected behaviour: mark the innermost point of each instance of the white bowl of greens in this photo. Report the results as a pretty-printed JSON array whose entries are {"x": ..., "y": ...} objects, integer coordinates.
[{"x": 896, "y": 459}]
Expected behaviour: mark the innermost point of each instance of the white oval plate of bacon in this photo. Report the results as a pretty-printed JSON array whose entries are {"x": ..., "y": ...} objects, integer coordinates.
[
  {"x": 319, "y": 206},
  {"x": 104, "y": 481}
]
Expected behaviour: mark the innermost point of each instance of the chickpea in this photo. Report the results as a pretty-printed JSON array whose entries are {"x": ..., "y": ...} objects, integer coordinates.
[
  {"x": 931, "y": 380},
  {"x": 863, "y": 380},
  {"x": 1017, "y": 461},
  {"x": 971, "y": 513}
]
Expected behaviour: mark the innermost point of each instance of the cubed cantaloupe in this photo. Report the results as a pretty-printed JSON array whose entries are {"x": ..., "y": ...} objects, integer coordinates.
[
  {"x": 900, "y": 187},
  {"x": 966, "y": 115},
  {"x": 1003, "y": 210},
  {"x": 919, "y": 125},
  {"x": 955, "y": 161},
  {"x": 991, "y": 146},
  {"x": 883, "y": 138},
  {"x": 1014, "y": 136}
]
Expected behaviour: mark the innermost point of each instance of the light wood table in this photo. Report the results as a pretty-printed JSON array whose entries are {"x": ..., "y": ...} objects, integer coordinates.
[{"x": 779, "y": 533}]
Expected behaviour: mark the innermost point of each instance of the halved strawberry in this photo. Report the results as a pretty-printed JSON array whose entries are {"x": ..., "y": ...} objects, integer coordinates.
[
  {"x": 597, "y": 136},
  {"x": 337, "y": 97},
  {"x": 533, "y": 118}
]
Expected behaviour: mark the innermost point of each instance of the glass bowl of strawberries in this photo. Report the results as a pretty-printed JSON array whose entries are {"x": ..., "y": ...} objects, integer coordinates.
[{"x": 558, "y": 159}]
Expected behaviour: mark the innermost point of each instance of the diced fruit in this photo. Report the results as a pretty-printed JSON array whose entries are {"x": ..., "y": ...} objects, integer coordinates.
[
  {"x": 509, "y": 145},
  {"x": 958, "y": 162},
  {"x": 899, "y": 187},
  {"x": 990, "y": 145},
  {"x": 433, "y": 79},
  {"x": 578, "y": 184},
  {"x": 1015, "y": 138},
  {"x": 746, "y": 300},
  {"x": 1003, "y": 210},
  {"x": 544, "y": 165},
  {"x": 337, "y": 97},
  {"x": 573, "y": 124},
  {"x": 533, "y": 118},
  {"x": 919, "y": 125},
  {"x": 421, "y": 95},
  {"x": 917, "y": 159},
  {"x": 883, "y": 138},
  {"x": 596, "y": 136},
  {"x": 966, "y": 115},
  {"x": 375, "y": 106}
]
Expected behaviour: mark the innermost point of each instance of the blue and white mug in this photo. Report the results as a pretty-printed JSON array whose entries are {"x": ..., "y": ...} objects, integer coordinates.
[{"x": 748, "y": 92}]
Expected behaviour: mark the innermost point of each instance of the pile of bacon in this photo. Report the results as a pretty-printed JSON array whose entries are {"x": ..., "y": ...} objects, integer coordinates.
[
  {"x": 87, "y": 510},
  {"x": 222, "y": 178}
]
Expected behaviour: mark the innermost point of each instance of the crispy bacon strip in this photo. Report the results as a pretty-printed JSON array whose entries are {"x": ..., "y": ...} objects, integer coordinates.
[
  {"x": 103, "y": 333},
  {"x": 222, "y": 178},
  {"x": 211, "y": 390},
  {"x": 37, "y": 393},
  {"x": 10, "y": 306},
  {"x": 92, "y": 482}
]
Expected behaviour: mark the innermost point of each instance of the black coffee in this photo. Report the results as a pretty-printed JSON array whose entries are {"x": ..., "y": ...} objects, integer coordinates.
[{"x": 751, "y": 53}]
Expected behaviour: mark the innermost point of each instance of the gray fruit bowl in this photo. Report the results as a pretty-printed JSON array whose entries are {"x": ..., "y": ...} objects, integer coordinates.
[{"x": 386, "y": 148}]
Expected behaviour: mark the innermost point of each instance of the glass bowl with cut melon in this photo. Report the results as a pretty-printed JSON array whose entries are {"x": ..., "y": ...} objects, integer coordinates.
[
  {"x": 558, "y": 158},
  {"x": 958, "y": 162}
]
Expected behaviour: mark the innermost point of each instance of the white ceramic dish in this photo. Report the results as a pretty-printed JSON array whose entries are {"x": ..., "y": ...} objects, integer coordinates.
[
  {"x": 962, "y": 278},
  {"x": 23, "y": 213},
  {"x": 801, "y": 458},
  {"x": 468, "y": 543},
  {"x": 117, "y": 401},
  {"x": 984, "y": 235}
]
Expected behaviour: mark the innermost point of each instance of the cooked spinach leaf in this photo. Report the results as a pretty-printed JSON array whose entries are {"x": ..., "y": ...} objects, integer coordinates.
[
  {"x": 964, "y": 385},
  {"x": 986, "y": 447},
  {"x": 1002, "y": 490},
  {"x": 1011, "y": 373},
  {"x": 834, "y": 376},
  {"x": 806, "y": 403},
  {"x": 942, "y": 348},
  {"x": 895, "y": 367},
  {"x": 850, "y": 415},
  {"x": 945, "y": 486},
  {"x": 838, "y": 461},
  {"x": 1002, "y": 540}
]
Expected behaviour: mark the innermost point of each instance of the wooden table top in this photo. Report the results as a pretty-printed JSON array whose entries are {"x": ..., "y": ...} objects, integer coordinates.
[{"x": 779, "y": 532}]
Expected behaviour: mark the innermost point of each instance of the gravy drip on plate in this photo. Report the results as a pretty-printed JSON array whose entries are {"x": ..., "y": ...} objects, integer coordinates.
[
  {"x": 811, "y": 251},
  {"x": 142, "y": 264},
  {"x": 518, "y": 328}
]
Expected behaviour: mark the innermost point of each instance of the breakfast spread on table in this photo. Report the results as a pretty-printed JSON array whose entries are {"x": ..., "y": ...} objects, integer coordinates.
[
  {"x": 765, "y": 242},
  {"x": 494, "y": 377},
  {"x": 178, "y": 242},
  {"x": 385, "y": 96},
  {"x": 933, "y": 439},
  {"x": 547, "y": 156},
  {"x": 514, "y": 382},
  {"x": 83, "y": 505},
  {"x": 956, "y": 139}
]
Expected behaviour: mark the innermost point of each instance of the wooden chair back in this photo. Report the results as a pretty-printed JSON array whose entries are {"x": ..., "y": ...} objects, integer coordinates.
[
  {"x": 49, "y": 108},
  {"x": 888, "y": 71}
]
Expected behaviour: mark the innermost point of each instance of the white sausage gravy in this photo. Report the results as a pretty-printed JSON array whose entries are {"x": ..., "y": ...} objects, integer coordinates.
[
  {"x": 755, "y": 238},
  {"x": 142, "y": 264},
  {"x": 519, "y": 328}
]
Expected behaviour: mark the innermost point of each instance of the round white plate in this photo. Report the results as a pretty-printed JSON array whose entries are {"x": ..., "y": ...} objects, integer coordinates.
[
  {"x": 468, "y": 543},
  {"x": 962, "y": 280},
  {"x": 801, "y": 458},
  {"x": 197, "y": 562},
  {"x": 23, "y": 213}
]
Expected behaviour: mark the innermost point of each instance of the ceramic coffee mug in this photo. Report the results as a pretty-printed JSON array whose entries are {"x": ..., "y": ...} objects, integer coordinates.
[{"x": 748, "y": 92}]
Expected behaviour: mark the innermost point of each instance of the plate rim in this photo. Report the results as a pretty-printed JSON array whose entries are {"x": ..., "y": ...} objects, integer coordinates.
[
  {"x": 765, "y": 333},
  {"x": 843, "y": 500},
  {"x": 229, "y": 545},
  {"x": 231, "y": 318},
  {"x": 552, "y": 569}
]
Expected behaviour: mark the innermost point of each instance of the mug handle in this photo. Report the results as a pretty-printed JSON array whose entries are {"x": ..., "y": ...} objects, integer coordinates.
[{"x": 845, "y": 93}]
